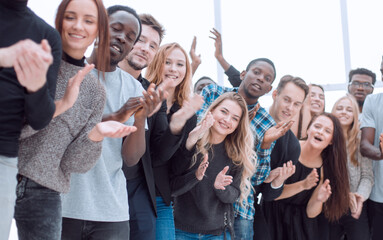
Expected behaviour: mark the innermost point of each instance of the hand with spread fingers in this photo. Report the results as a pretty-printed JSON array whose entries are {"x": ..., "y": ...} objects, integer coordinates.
[
  {"x": 188, "y": 109},
  {"x": 222, "y": 180},
  {"x": 275, "y": 132},
  {"x": 198, "y": 132},
  {"x": 195, "y": 59},
  {"x": 149, "y": 101},
  {"x": 111, "y": 129},
  {"x": 200, "y": 172},
  {"x": 311, "y": 180},
  {"x": 285, "y": 172},
  {"x": 72, "y": 91},
  {"x": 217, "y": 43},
  {"x": 324, "y": 191}
]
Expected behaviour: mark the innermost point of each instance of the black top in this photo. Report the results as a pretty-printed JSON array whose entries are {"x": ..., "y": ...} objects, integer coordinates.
[
  {"x": 162, "y": 167},
  {"x": 160, "y": 142},
  {"x": 17, "y": 107},
  {"x": 198, "y": 206},
  {"x": 287, "y": 218},
  {"x": 286, "y": 148},
  {"x": 234, "y": 76}
]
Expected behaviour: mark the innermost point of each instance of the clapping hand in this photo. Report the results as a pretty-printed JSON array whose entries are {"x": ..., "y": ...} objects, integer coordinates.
[
  {"x": 200, "y": 172},
  {"x": 72, "y": 90},
  {"x": 222, "y": 180},
  {"x": 112, "y": 129},
  {"x": 324, "y": 191},
  {"x": 311, "y": 180},
  {"x": 198, "y": 132}
]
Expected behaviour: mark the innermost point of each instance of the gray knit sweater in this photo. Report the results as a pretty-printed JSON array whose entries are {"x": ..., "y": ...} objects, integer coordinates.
[
  {"x": 361, "y": 177},
  {"x": 49, "y": 156}
]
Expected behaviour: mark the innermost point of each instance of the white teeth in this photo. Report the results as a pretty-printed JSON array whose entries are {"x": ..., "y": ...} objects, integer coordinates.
[
  {"x": 116, "y": 48},
  {"x": 171, "y": 77},
  {"x": 76, "y": 36}
]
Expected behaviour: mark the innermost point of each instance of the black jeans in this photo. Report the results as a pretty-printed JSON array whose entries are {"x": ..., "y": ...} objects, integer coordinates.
[
  {"x": 375, "y": 216},
  {"x": 37, "y": 211},
  {"x": 75, "y": 229},
  {"x": 355, "y": 229}
]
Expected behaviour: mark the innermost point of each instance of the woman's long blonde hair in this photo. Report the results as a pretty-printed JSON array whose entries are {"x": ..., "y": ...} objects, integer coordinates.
[
  {"x": 352, "y": 135},
  {"x": 239, "y": 145},
  {"x": 156, "y": 68}
]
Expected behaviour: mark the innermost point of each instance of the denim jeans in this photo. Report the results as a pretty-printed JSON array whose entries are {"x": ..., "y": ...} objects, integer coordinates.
[
  {"x": 142, "y": 216},
  {"x": 8, "y": 172},
  {"x": 243, "y": 229},
  {"x": 75, "y": 229},
  {"x": 165, "y": 229},
  {"x": 181, "y": 235},
  {"x": 37, "y": 211}
]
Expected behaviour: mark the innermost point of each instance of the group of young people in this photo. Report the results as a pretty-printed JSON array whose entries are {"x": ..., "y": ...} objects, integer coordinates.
[{"x": 92, "y": 149}]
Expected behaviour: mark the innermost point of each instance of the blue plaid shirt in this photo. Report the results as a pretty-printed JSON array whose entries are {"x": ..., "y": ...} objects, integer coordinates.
[{"x": 259, "y": 125}]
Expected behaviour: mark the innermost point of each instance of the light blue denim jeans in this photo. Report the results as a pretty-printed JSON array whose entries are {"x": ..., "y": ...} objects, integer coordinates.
[
  {"x": 8, "y": 182},
  {"x": 243, "y": 229},
  {"x": 165, "y": 229}
]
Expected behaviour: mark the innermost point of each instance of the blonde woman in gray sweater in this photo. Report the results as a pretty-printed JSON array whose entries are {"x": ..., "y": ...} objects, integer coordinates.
[
  {"x": 71, "y": 143},
  {"x": 355, "y": 224}
]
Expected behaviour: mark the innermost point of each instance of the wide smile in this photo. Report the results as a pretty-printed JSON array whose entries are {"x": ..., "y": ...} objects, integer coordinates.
[
  {"x": 256, "y": 86},
  {"x": 172, "y": 77},
  {"x": 286, "y": 114},
  {"x": 76, "y": 36},
  {"x": 223, "y": 125},
  {"x": 316, "y": 105}
]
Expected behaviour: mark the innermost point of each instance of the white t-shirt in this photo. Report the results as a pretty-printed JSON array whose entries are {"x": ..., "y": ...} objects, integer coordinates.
[
  {"x": 100, "y": 194},
  {"x": 373, "y": 117}
]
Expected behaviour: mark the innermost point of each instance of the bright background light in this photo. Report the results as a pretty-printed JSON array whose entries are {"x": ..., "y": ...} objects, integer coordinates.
[{"x": 303, "y": 38}]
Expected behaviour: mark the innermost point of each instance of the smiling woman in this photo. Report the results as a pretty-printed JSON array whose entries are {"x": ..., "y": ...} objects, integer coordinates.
[
  {"x": 73, "y": 139},
  {"x": 321, "y": 172}
]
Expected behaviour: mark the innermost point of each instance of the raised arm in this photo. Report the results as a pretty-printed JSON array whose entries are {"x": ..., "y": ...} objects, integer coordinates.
[
  {"x": 195, "y": 59},
  {"x": 232, "y": 73}
]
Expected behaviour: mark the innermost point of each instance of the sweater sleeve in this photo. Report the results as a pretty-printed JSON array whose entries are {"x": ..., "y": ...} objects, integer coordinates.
[
  {"x": 163, "y": 143},
  {"x": 232, "y": 191},
  {"x": 82, "y": 153},
  {"x": 234, "y": 76},
  {"x": 183, "y": 182},
  {"x": 269, "y": 193},
  {"x": 366, "y": 176},
  {"x": 39, "y": 106}
]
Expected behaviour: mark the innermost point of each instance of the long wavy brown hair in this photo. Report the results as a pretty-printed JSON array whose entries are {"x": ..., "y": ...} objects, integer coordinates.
[
  {"x": 103, "y": 62},
  {"x": 334, "y": 158},
  {"x": 352, "y": 135},
  {"x": 156, "y": 68},
  {"x": 238, "y": 145}
]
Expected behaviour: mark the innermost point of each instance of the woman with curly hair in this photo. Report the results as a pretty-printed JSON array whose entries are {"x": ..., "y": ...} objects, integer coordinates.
[{"x": 222, "y": 161}]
